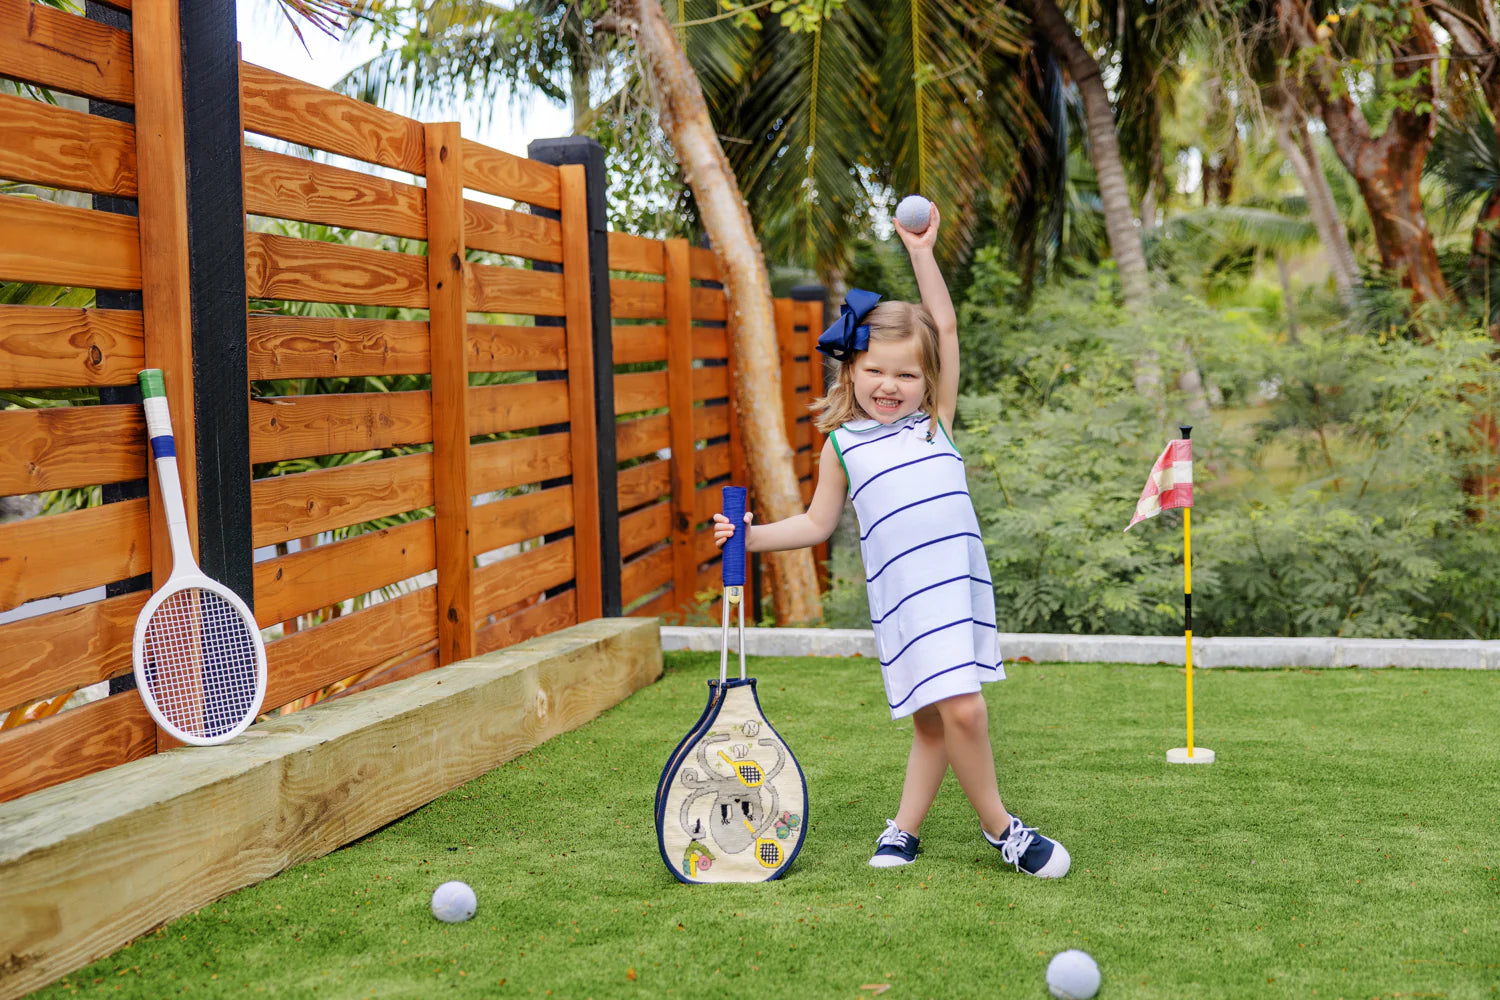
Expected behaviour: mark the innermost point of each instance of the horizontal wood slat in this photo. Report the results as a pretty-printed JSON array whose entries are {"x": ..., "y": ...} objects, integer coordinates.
[
  {"x": 68, "y": 649},
  {"x": 299, "y": 426},
  {"x": 644, "y": 483},
  {"x": 65, "y": 446},
  {"x": 72, "y": 552},
  {"x": 636, "y": 253},
  {"x": 500, "y": 465},
  {"x": 645, "y": 527},
  {"x": 660, "y": 606},
  {"x": 641, "y": 576},
  {"x": 72, "y": 744},
  {"x": 312, "y": 659},
  {"x": 496, "y": 289},
  {"x": 509, "y": 176},
  {"x": 323, "y": 347},
  {"x": 58, "y": 147},
  {"x": 63, "y": 51},
  {"x": 637, "y": 299},
  {"x": 500, "y": 230},
  {"x": 290, "y": 187},
  {"x": 550, "y": 615},
  {"x": 710, "y": 343},
  {"x": 501, "y": 584},
  {"x": 284, "y": 107},
  {"x": 305, "y": 503},
  {"x": 293, "y": 585},
  {"x": 710, "y": 421},
  {"x": 43, "y": 348},
  {"x": 633, "y": 344},
  {"x": 496, "y": 408},
  {"x": 52, "y": 244},
  {"x": 709, "y": 303},
  {"x": 644, "y": 436},
  {"x": 516, "y": 348},
  {"x": 520, "y": 518},
  {"x": 702, "y": 264},
  {"x": 298, "y": 270},
  {"x": 711, "y": 462},
  {"x": 710, "y": 383},
  {"x": 637, "y": 391}
]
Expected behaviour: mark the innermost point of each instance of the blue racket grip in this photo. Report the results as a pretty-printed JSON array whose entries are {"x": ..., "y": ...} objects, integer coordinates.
[{"x": 734, "y": 548}]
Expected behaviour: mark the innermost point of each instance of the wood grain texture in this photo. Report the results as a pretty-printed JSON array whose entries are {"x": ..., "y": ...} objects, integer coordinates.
[
  {"x": 65, "y": 446},
  {"x": 284, "y": 107},
  {"x": 325, "y": 347},
  {"x": 306, "y": 503},
  {"x": 578, "y": 292},
  {"x": 631, "y": 299},
  {"x": 516, "y": 348},
  {"x": 84, "y": 869},
  {"x": 634, "y": 344},
  {"x": 51, "y": 244},
  {"x": 640, "y": 529},
  {"x": 58, "y": 147},
  {"x": 506, "y": 175},
  {"x": 637, "y": 391},
  {"x": 311, "y": 659},
  {"x": 72, "y": 744},
  {"x": 500, "y": 465},
  {"x": 710, "y": 304},
  {"x": 710, "y": 342},
  {"x": 704, "y": 265},
  {"x": 297, "y": 426},
  {"x": 298, "y": 270},
  {"x": 712, "y": 421},
  {"x": 501, "y": 230},
  {"x": 290, "y": 187},
  {"x": 452, "y": 421},
  {"x": 642, "y": 436},
  {"x": 543, "y": 618},
  {"x": 63, "y": 51},
  {"x": 501, "y": 584},
  {"x": 495, "y": 408},
  {"x": 642, "y": 575},
  {"x": 644, "y": 483},
  {"x": 636, "y": 253},
  {"x": 521, "y": 518},
  {"x": 305, "y": 581},
  {"x": 43, "y": 348},
  {"x": 64, "y": 650},
  {"x": 710, "y": 383},
  {"x": 681, "y": 378},
  {"x": 663, "y": 606},
  {"x": 73, "y": 552},
  {"x": 711, "y": 462},
  {"x": 514, "y": 290}
]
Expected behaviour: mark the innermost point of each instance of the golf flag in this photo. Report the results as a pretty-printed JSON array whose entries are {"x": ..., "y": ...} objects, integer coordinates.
[{"x": 1171, "y": 482}]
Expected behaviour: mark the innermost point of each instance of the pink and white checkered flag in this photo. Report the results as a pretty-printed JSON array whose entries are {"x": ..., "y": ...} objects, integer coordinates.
[{"x": 1171, "y": 482}]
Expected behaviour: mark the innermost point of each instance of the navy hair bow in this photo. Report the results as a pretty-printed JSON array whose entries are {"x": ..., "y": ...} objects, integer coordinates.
[{"x": 846, "y": 336}]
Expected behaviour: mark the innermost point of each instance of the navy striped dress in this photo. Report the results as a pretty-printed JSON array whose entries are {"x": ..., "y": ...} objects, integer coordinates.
[{"x": 931, "y": 602}]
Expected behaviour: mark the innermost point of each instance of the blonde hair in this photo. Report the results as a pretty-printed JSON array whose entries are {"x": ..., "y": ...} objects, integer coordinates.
[{"x": 889, "y": 322}]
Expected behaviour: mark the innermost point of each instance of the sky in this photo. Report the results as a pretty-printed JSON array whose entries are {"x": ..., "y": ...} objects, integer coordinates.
[{"x": 266, "y": 39}]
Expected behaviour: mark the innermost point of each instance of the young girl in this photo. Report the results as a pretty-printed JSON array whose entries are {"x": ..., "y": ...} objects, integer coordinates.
[{"x": 931, "y": 603}]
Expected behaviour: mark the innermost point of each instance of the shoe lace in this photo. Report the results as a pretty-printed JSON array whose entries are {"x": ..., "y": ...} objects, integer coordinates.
[
  {"x": 893, "y": 836},
  {"x": 1014, "y": 846}
]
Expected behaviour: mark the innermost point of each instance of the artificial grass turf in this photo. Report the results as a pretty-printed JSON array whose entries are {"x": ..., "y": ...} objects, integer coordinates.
[{"x": 1345, "y": 845}]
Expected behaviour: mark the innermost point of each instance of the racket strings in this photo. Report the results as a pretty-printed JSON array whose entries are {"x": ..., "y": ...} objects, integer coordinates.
[{"x": 201, "y": 667}]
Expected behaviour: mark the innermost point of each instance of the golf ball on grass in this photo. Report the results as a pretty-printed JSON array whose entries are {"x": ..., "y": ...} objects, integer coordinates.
[
  {"x": 453, "y": 902},
  {"x": 1072, "y": 975},
  {"x": 914, "y": 213}
]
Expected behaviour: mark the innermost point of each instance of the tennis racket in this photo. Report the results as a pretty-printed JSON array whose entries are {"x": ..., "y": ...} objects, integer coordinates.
[
  {"x": 749, "y": 772},
  {"x": 200, "y": 663}
]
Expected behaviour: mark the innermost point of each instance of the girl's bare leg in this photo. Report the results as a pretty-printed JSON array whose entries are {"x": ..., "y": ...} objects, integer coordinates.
[
  {"x": 966, "y": 739},
  {"x": 924, "y": 769}
]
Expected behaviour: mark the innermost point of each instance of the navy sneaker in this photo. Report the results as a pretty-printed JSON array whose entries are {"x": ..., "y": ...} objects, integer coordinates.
[
  {"x": 894, "y": 847},
  {"x": 1030, "y": 852}
]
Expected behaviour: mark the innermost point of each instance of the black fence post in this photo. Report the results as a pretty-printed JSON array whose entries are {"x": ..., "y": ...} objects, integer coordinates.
[
  {"x": 584, "y": 150},
  {"x": 216, "y": 270}
]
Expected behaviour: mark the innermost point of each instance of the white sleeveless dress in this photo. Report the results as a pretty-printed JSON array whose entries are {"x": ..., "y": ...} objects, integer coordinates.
[{"x": 931, "y": 600}]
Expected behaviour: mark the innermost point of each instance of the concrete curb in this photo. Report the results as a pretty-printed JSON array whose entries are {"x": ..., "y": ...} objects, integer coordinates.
[{"x": 1222, "y": 651}]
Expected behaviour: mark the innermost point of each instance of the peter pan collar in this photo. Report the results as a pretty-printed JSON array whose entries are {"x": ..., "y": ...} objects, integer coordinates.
[{"x": 870, "y": 423}]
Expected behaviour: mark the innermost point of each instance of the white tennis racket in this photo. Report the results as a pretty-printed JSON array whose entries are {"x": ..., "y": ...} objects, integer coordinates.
[{"x": 200, "y": 662}]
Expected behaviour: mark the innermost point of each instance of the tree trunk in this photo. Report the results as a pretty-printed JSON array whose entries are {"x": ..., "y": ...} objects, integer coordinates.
[
  {"x": 678, "y": 97},
  {"x": 1388, "y": 169},
  {"x": 578, "y": 87},
  {"x": 1296, "y": 146}
]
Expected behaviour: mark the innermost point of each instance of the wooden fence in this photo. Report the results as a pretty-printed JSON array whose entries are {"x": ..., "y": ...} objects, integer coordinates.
[{"x": 469, "y": 498}]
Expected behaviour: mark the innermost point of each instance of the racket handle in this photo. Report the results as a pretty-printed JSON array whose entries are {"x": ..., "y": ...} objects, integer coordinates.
[
  {"x": 734, "y": 548},
  {"x": 164, "y": 451}
]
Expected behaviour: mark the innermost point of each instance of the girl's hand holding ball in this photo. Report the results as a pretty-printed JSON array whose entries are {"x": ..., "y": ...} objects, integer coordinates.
[
  {"x": 723, "y": 530},
  {"x": 917, "y": 222}
]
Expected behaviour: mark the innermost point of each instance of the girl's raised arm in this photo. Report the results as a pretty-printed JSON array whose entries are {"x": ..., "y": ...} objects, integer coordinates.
[{"x": 935, "y": 297}]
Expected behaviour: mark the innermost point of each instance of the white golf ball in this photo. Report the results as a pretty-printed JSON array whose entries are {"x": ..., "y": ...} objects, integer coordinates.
[
  {"x": 453, "y": 902},
  {"x": 914, "y": 212},
  {"x": 1072, "y": 975}
]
